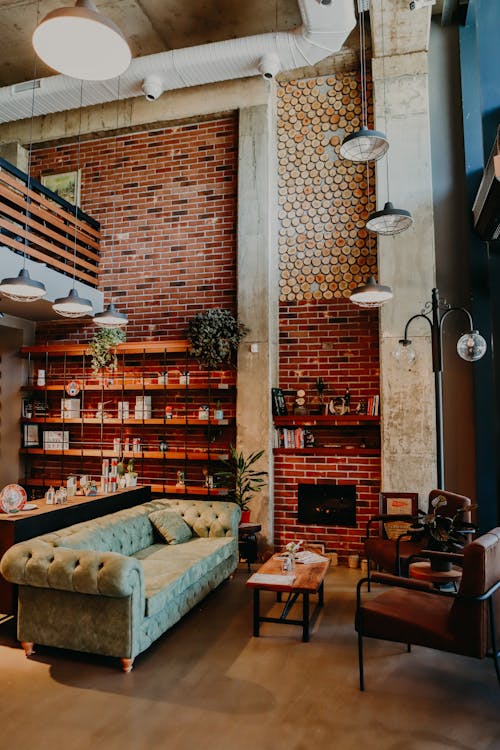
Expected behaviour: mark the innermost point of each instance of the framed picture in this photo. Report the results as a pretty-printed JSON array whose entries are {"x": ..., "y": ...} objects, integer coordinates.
[
  {"x": 278, "y": 402},
  {"x": 65, "y": 184},
  {"x": 27, "y": 408},
  {"x": 398, "y": 503},
  {"x": 31, "y": 436}
]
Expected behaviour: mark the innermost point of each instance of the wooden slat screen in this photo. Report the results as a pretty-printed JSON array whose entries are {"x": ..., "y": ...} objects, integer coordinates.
[{"x": 42, "y": 225}]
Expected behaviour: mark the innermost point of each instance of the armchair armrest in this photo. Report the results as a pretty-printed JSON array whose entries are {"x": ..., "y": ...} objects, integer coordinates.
[
  {"x": 453, "y": 557},
  {"x": 38, "y": 563}
]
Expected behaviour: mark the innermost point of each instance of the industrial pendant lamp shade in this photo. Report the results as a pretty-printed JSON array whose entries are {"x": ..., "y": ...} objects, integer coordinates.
[
  {"x": 72, "y": 306},
  {"x": 371, "y": 294},
  {"x": 364, "y": 145},
  {"x": 110, "y": 318},
  {"x": 82, "y": 43},
  {"x": 389, "y": 220},
  {"x": 23, "y": 288}
]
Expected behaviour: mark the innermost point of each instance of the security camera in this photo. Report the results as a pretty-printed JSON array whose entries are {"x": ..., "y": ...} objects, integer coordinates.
[
  {"x": 152, "y": 87},
  {"x": 269, "y": 65},
  {"x": 417, "y": 4}
]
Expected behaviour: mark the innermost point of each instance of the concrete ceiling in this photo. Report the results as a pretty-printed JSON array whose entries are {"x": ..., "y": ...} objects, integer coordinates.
[{"x": 150, "y": 26}]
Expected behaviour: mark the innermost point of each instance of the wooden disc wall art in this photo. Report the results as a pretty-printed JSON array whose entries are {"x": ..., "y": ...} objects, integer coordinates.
[{"x": 323, "y": 199}]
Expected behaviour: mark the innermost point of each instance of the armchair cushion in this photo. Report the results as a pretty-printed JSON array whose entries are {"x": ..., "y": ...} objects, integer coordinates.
[{"x": 171, "y": 526}]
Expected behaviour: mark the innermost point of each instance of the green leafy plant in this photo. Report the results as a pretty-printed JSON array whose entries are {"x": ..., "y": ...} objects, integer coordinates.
[
  {"x": 241, "y": 477},
  {"x": 102, "y": 345},
  {"x": 214, "y": 336},
  {"x": 445, "y": 533},
  {"x": 130, "y": 467}
]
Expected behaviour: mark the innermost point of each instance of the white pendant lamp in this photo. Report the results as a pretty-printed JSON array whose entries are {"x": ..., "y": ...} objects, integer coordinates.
[
  {"x": 74, "y": 306},
  {"x": 23, "y": 288},
  {"x": 111, "y": 317},
  {"x": 82, "y": 43},
  {"x": 365, "y": 144},
  {"x": 371, "y": 294},
  {"x": 389, "y": 220}
]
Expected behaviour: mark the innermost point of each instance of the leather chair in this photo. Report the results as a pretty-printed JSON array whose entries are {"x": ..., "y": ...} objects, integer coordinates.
[
  {"x": 392, "y": 555},
  {"x": 414, "y": 612}
]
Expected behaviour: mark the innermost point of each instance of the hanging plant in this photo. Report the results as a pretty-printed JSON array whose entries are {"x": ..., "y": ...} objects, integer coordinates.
[
  {"x": 214, "y": 336},
  {"x": 102, "y": 348}
]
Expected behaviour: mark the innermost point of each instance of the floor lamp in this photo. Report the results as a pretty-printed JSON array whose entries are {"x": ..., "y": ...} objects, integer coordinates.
[{"x": 471, "y": 346}]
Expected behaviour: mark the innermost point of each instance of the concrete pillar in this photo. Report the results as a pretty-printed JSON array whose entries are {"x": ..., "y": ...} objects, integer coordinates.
[
  {"x": 407, "y": 264},
  {"x": 15, "y": 154},
  {"x": 258, "y": 293}
]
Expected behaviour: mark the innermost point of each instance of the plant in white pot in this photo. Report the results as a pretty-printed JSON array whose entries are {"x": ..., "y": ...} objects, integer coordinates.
[
  {"x": 242, "y": 478},
  {"x": 131, "y": 475}
]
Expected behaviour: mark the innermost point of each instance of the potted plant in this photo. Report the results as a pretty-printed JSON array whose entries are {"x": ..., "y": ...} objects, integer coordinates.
[
  {"x": 214, "y": 336},
  {"x": 444, "y": 533},
  {"x": 102, "y": 348},
  {"x": 131, "y": 475},
  {"x": 243, "y": 479}
]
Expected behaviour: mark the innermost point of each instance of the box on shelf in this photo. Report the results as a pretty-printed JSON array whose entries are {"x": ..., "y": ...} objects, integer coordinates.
[
  {"x": 55, "y": 440},
  {"x": 123, "y": 410},
  {"x": 70, "y": 408},
  {"x": 142, "y": 407}
]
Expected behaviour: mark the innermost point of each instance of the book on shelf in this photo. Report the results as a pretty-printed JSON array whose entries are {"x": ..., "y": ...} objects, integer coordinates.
[
  {"x": 373, "y": 406},
  {"x": 278, "y": 403}
]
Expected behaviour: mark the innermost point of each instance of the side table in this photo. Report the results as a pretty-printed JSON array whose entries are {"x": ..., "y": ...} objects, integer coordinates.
[
  {"x": 247, "y": 542},
  {"x": 424, "y": 572}
]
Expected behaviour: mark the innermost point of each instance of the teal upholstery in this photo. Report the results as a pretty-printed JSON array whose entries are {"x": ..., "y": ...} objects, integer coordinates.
[{"x": 108, "y": 587}]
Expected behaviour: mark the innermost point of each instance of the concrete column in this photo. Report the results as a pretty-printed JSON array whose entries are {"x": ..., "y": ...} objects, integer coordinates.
[
  {"x": 258, "y": 293},
  {"x": 407, "y": 264},
  {"x": 15, "y": 154}
]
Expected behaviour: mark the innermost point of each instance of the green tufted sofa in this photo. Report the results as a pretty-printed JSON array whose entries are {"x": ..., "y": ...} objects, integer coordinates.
[{"x": 112, "y": 586}]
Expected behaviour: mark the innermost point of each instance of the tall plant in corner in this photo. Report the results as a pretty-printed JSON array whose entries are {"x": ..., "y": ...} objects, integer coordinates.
[
  {"x": 102, "y": 348},
  {"x": 214, "y": 337},
  {"x": 241, "y": 476}
]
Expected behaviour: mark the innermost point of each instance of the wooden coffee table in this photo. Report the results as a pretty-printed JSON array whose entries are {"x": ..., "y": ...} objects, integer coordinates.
[{"x": 309, "y": 579}]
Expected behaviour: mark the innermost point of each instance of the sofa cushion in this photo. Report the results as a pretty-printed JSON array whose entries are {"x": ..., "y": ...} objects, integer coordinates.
[
  {"x": 171, "y": 526},
  {"x": 169, "y": 570}
]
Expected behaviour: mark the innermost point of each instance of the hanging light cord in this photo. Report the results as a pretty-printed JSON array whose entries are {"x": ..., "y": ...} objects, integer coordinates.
[
  {"x": 362, "y": 38},
  {"x": 78, "y": 150},
  {"x": 30, "y": 149},
  {"x": 113, "y": 227},
  {"x": 384, "y": 92}
]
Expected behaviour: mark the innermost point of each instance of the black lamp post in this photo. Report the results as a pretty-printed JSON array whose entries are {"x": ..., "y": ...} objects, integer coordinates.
[{"x": 471, "y": 347}]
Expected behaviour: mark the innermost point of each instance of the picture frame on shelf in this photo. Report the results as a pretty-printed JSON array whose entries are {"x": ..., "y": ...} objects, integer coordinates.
[
  {"x": 398, "y": 503},
  {"x": 27, "y": 408},
  {"x": 278, "y": 403},
  {"x": 65, "y": 184},
  {"x": 31, "y": 436}
]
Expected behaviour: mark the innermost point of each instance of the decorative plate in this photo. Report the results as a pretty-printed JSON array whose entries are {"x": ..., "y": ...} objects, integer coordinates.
[
  {"x": 73, "y": 388},
  {"x": 12, "y": 498}
]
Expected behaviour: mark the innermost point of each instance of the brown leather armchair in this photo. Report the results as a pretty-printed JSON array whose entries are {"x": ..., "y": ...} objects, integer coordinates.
[
  {"x": 414, "y": 612},
  {"x": 392, "y": 555}
]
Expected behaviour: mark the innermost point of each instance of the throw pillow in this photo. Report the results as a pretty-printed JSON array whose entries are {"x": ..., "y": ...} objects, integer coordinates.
[{"x": 171, "y": 526}]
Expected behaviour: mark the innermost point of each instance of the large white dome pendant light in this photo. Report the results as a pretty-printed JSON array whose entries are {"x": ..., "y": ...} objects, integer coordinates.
[
  {"x": 82, "y": 43},
  {"x": 365, "y": 144}
]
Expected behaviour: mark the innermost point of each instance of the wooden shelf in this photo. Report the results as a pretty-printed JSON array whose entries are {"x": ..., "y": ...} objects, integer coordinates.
[
  {"x": 190, "y": 455},
  {"x": 318, "y": 451},
  {"x": 177, "y": 422},
  {"x": 133, "y": 347},
  {"x": 172, "y": 489},
  {"x": 320, "y": 420},
  {"x": 128, "y": 385}
]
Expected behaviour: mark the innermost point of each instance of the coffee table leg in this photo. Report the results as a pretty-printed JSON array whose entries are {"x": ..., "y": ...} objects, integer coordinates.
[
  {"x": 320, "y": 594},
  {"x": 256, "y": 612},
  {"x": 305, "y": 617}
]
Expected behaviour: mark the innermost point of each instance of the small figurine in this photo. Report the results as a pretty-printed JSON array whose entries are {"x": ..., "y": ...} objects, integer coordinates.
[{"x": 181, "y": 479}]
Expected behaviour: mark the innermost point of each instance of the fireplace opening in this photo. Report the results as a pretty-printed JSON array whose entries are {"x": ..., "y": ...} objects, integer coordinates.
[{"x": 327, "y": 504}]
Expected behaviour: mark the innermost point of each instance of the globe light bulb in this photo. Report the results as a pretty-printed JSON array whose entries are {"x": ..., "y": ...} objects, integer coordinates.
[
  {"x": 405, "y": 354},
  {"x": 471, "y": 346}
]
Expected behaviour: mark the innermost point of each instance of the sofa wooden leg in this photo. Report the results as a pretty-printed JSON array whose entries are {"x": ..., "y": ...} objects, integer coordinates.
[
  {"x": 29, "y": 647},
  {"x": 127, "y": 664}
]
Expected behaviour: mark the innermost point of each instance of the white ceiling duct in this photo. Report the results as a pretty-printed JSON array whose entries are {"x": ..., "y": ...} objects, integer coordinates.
[{"x": 323, "y": 32}]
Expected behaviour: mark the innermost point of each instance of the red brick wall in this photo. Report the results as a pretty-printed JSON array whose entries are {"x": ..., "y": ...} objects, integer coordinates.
[{"x": 168, "y": 249}]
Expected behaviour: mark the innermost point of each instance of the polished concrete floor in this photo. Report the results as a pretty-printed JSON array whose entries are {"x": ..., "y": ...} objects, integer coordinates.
[{"x": 209, "y": 685}]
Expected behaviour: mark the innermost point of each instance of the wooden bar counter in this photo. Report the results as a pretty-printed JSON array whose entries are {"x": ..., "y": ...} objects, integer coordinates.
[{"x": 17, "y": 527}]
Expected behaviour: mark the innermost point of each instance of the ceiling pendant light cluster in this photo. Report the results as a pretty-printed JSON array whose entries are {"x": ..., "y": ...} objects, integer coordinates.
[{"x": 82, "y": 43}]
